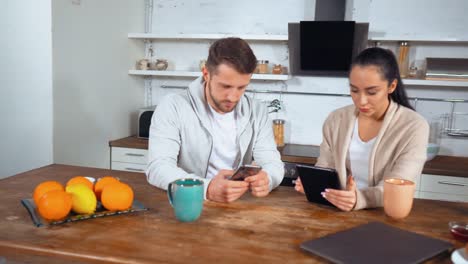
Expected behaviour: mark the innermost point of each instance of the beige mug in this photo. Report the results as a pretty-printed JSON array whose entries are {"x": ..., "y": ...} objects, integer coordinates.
[{"x": 398, "y": 197}]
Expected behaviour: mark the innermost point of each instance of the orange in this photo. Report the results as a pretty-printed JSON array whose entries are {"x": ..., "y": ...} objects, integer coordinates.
[
  {"x": 80, "y": 179},
  {"x": 55, "y": 205},
  {"x": 101, "y": 183},
  {"x": 117, "y": 196},
  {"x": 44, "y": 187}
]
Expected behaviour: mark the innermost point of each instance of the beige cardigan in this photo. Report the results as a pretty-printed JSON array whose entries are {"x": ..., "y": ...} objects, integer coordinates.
[{"x": 399, "y": 149}]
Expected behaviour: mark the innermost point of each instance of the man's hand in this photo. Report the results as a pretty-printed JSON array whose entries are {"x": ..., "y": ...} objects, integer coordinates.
[
  {"x": 222, "y": 190},
  {"x": 343, "y": 199},
  {"x": 259, "y": 184}
]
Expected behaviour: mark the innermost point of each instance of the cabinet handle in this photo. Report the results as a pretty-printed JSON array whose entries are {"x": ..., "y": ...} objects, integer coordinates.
[
  {"x": 133, "y": 169},
  {"x": 452, "y": 183},
  {"x": 134, "y": 155}
]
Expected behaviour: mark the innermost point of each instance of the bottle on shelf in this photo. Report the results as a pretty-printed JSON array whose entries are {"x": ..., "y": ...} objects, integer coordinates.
[{"x": 403, "y": 58}]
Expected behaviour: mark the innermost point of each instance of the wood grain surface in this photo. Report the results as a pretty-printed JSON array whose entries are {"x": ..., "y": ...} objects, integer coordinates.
[
  {"x": 447, "y": 165},
  {"x": 130, "y": 142},
  {"x": 250, "y": 230}
]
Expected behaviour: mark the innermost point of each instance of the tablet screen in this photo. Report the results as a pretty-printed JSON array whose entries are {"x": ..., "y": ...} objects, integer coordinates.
[{"x": 315, "y": 180}]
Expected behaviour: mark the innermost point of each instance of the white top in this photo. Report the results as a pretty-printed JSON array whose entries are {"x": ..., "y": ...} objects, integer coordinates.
[
  {"x": 226, "y": 150},
  {"x": 359, "y": 154}
]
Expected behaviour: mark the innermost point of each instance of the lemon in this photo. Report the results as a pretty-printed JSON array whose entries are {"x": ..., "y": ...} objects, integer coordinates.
[{"x": 83, "y": 199}]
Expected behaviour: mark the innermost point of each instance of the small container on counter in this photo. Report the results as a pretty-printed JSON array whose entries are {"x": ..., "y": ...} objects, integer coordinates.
[{"x": 278, "y": 131}]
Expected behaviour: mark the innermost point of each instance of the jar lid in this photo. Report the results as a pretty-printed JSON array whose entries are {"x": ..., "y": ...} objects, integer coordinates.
[
  {"x": 278, "y": 121},
  {"x": 262, "y": 62}
]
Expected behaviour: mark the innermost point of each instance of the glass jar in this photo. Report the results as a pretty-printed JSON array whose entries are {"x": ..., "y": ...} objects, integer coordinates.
[
  {"x": 413, "y": 72},
  {"x": 262, "y": 67},
  {"x": 277, "y": 69},
  {"x": 161, "y": 64},
  {"x": 278, "y": 131},
  {"x": 403, "y": 58},
  {"x": 142, "y": 65},
  {"x": 435, "y": 130}
]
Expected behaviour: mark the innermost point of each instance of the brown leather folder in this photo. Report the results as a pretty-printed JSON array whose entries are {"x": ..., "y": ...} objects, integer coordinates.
[{"x": 376, "y": 242}]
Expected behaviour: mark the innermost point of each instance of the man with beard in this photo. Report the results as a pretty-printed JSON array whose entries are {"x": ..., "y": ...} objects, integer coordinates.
[{"x": 214, "y": 128}]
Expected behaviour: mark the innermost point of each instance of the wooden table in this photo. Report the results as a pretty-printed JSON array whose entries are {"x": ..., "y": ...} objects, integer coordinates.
[{"x": 260, "y": 230}]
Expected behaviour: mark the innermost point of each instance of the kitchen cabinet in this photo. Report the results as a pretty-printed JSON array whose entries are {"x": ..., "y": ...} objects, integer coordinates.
[
  {"x": 129, "y": 159},
  {"x": 446, "y": 188}
]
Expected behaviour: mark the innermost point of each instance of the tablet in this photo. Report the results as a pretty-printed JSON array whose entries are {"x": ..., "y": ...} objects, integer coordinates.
[{"x": 315, "y": 180}]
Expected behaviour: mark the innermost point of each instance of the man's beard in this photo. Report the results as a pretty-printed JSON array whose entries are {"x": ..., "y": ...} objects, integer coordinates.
[{"x": 219, "y": 104}]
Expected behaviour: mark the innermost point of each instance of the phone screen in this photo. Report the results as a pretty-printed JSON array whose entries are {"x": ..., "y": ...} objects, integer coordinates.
[{"x": 245, "y": 171}]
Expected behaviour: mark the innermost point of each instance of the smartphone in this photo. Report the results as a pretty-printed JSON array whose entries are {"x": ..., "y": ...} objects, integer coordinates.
[{"x": 245, "y": 171}]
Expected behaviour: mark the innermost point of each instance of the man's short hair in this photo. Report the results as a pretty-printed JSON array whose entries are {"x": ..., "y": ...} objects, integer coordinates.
[{"x": 234, "y": 52}]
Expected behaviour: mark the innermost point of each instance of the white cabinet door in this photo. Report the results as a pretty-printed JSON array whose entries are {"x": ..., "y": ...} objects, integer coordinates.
[
  {"x": 130, "y": 155},
  {"x": 444, "y": 188},
  {"x": 444, "y": 184},
  {"x": 131, "y": 167},
  {"x": 418, "y": 183},
  {"x": 443, "y": 197},
  {"x": 129, "y": 159}
]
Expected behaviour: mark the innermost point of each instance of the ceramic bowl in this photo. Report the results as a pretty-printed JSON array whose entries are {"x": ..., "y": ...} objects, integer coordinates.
[{"x": 432, "y": 150}]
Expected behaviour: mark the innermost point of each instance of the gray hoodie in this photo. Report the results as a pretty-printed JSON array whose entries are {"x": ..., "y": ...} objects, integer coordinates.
[{"x": 180, "y": 141}]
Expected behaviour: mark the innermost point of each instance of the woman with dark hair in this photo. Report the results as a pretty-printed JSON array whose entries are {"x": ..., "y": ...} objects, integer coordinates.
[{"x": 380, "y": 136}]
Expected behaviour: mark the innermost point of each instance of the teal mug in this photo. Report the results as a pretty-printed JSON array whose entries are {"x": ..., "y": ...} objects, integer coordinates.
[{"x": 186, "y": 197}]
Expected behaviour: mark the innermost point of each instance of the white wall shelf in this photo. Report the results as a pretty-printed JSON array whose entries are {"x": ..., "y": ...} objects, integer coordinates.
[
  {"x": 284, "y": 77},
  {"x": 264, "y": 37},
  {"x": 267, "y": 77},
  {"x": 422, "y": 82},
  {"x": 396, "y": 39},
  {"x": 165, "y": 73}
]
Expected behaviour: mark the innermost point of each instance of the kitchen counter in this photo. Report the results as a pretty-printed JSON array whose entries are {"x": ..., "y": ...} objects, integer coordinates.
[
  {"x": 261, "y": 230},
  {"x": 440, "y": 165}
]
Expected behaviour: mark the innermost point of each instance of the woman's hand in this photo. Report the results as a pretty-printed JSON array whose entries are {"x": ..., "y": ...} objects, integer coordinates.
[
  {"x": 343, "y": 199},
  {"x": 299, "y": 186}
]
